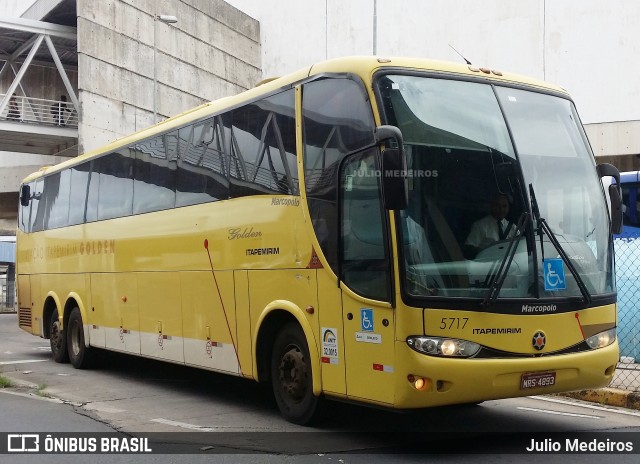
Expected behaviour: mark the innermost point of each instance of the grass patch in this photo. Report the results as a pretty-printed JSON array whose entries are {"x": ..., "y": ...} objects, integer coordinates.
[
  {"x": 40, "y": 389},
  {"x": 5, "y": 382}
]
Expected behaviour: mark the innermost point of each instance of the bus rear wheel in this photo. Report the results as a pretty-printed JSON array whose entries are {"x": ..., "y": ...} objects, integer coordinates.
[
  {"x": 80, "y": 355},
  {"x": 291, "y": 377},
  {"x": 57, "y": 339}
]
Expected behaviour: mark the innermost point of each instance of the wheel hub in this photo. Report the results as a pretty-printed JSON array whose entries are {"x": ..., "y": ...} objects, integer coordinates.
[
  {"x": 56, "y": 338},
  {"x": 293, "y": 374}
]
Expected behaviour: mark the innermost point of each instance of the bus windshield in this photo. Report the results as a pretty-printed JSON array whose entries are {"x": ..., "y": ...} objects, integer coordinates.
[{"x": 475, "y": 151}]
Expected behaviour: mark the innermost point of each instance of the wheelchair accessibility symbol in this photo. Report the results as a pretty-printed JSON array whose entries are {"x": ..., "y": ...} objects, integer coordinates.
[
  {"x": 366, "y": 319},
  {"x": 554, "y": 278}
]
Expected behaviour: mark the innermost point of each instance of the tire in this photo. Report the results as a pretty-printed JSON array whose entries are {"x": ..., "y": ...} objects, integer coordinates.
[
  {"x": 57, "y": 339},
  {"x": 80, "y": 356},
  {"x": 291, "y": 377}
]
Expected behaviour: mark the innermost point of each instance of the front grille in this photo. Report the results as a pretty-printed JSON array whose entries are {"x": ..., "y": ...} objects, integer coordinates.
[
  {"x": 490, "y": 353},
  {"x": 24, "y": 317}
]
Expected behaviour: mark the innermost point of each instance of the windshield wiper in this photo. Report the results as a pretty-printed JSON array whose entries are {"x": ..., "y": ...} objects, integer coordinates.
[
  {"x": 501, "y": 274},
  {"x": 543, "y": 228}
]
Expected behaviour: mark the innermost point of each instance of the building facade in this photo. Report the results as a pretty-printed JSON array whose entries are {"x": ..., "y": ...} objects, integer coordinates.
[{"x": 84, "y": 73}]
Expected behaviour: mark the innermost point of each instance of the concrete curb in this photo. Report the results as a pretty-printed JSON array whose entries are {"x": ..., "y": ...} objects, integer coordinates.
[{"x": 608, "y": 397}]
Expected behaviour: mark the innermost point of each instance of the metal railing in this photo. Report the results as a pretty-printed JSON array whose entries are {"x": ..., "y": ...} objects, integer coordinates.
[{"x": 40, "y": 111}]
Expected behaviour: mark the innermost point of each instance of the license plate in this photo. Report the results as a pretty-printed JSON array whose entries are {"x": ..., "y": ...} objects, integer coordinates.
[{"x": 537, "y": 380}]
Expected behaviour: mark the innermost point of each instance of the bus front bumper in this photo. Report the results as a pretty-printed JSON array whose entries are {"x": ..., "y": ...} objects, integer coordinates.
[{"x": 425, "y": 381}]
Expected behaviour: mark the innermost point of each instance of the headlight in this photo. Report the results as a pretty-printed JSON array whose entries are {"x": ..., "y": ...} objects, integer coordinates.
[
  {"x": 437, "y": 346},
  {"x": 602, "y": 339}
]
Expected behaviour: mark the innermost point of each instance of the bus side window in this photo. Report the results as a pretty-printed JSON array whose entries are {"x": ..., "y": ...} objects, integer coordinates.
[
  {"x": 91, "y": 209},
  {"x": 201, "y": 175},
  {"x": 263, "y": 147},
  {"x": 78, "y": 192},
  {"x": 36, "y": 218},
  {"x": 115, "y": 198},
  {"x": 154, "y": 174},
  {"x": 57, "y": 187}
]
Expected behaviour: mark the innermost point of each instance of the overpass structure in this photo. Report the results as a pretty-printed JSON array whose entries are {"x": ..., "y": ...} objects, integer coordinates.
[{"x": 39, "y": 104}]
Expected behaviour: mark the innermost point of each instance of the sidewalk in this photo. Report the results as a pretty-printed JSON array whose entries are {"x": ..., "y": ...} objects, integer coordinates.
[{"x": 619, "y": 392}]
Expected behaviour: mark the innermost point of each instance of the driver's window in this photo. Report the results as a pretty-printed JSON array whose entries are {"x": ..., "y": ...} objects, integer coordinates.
[{"x": 365, "y": 260}]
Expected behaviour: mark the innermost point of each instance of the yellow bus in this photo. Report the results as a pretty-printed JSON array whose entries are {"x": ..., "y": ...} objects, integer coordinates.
[{"x": 323, "y": 232}]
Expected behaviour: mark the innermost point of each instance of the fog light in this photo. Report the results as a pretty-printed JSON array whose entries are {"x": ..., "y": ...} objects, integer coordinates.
[{"x": 419, "y": 383}]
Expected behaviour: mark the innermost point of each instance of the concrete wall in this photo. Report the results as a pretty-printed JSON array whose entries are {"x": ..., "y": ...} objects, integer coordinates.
[
  {"x": 589, "y": 47},
  {"x": 17, "y": 166},
  {"x": 211, "y": 52},
  {"x": 615, "y": 138}
]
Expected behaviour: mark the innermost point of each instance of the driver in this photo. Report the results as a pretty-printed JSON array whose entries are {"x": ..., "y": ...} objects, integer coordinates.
[{"x": 492, "y": 228}]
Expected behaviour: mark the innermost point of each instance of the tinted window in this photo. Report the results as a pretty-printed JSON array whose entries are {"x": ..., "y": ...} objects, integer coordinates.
[
  {"x": 36, "y": 219},
  {"x": 365, "y": 265},
  {"x": 337, "y": 120},
  {"x": 115, "y": 198},
  {"x": 263, "y": 147},
  {"x": 155, "y": 174},
  {"x": 202, "y": 165},
  {"x": 78, "y": 192},
  {"x": 57, "y": 187},
  {"x": 188, "y": 166},
  {"x": 91, "y": 213}
]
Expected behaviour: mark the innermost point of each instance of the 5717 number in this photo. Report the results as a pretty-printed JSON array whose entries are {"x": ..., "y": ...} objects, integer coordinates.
[{"x": 453, "y": 322}]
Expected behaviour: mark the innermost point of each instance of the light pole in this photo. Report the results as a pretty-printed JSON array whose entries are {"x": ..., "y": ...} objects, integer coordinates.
[
  {"x": 167, "y": 20},
  {"x": 375, "y": 27}
]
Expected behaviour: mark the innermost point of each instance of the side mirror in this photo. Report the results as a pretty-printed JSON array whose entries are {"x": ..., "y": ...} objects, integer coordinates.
[
  {"x": 25, "y": 195},
  {"x": 395, "y": 190},
  {"x": 615, "y": 195},
  {"x": 616, "y": 209}
]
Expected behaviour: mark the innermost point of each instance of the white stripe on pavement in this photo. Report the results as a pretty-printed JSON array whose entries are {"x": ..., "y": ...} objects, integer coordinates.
[
  {"x": 558, "y": 413},
  {"x": 184, "y": 425},
  {"x": 617, "y": 410},
  {"x": 23, "y": 361}
]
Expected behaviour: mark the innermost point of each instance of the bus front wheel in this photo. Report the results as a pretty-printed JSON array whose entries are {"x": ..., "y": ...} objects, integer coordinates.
[
  {"x": 291, "y": 377},
  {"x": 57, "y": 339},
  {"x": 80, "y": 355}
]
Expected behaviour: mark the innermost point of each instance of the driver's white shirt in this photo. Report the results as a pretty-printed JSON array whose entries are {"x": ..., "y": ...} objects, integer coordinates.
[{"x": 484, "y": 232}]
